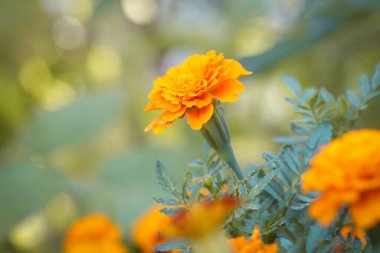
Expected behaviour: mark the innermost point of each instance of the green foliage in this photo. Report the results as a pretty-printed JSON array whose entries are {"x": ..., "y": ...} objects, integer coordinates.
[
  {"x": 73, "y": 125},
  {"x": 173, "y": 245},
  {"x": 316, "y": 106},
  {"x": 270, "y": 193},
  {"x": 24, "y": 189}
]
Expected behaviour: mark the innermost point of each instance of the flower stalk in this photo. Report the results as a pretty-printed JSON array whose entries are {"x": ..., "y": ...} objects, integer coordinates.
[{"x": 217, "y": 135}]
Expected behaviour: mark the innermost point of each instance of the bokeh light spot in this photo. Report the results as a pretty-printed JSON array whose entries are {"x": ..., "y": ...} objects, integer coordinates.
[
  {"x": 255, "y": 37},
  {"x": 68, "y": 33},
  {"x": 57, "y": 95},
  {"x": 29, "y": 233},
  {"x": 80, "y": 9},
  {"x": 35, "y": 75},
  {"x": 103, "y": 63},
  {"x": 140, "y": 12}
]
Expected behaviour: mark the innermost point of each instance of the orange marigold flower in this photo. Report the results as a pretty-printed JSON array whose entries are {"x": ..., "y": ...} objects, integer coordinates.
[
  {"x": 94, "y": 234},
  {"x": 347, "y": 173},
  {"x": 201, "y": 219},
  {"x": 147, "y": 231},
  {"x": 192, "y": 87},
  {"x": 252, "y": 245}
]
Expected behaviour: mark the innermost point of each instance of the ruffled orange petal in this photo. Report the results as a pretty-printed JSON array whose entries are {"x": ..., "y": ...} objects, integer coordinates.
[
  {"x": 236, "y": 70},
  {"x": 227, "y": 91},
  {"x": 199, "y": 102},
  {"x": 196, "y": 117},
  {"x": 171, "y": 116},
  {"x": 158, "y": 125},
  {"x": 366, "y": 212},
  {"x": 150, "y": 107},
  {"x": 318, "y": 210}
]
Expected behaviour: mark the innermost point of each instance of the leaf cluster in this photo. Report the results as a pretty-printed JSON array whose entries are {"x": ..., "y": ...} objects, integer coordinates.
[{"x": 270, "y": 193}]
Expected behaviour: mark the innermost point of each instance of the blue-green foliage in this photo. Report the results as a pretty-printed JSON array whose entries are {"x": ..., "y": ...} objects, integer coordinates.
[
  {"x": 270, "y": 193},
  {"x": 171, "y": 246}
]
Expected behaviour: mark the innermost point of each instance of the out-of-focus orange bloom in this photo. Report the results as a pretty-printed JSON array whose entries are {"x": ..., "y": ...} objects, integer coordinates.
[
  {"x": 191, "y": 89},
  {"x": 252, "y": 245},
  {"x": 355, "y": 233},
  {"x": 201, "y": 219},
  {"x": 347, "y": 173},
  {"x": 147, "y": 230},
  {"x": 94, "y": 234}
]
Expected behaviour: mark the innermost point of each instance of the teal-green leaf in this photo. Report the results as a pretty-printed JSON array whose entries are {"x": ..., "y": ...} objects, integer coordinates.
[
  {"x": 293, "y": 84},
  {"x": 24, "y": 190},
  {"x": 75, "y": 124}
]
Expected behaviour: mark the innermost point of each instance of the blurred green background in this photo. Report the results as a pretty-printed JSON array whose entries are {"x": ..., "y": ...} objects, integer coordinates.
[{"x": 74, "y": 76}]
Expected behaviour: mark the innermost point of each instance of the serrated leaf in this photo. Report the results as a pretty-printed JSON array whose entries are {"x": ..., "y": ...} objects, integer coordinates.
[
  {"x": 171, "y": 212},
  {"x": 293, "y": 84},
  {"x": 286, "y": 244},
  {"x": 270, "y": 157},
  {"x": 299, "y": 206},
  {"x": 365, "y": 86},
  {"x": 342, "y": 104},
  {"x": 167, "y": 201},
  {"x": 291, "y": 162},
  {"x": 275, "y": 190},
  {"x": 185, "y": 185},
  {"x": 316, "y": 235},
  {"x": 262, "y": 183},
  {"x": 376, "y": 77},
  {"x": 308, "y": 94},
  {"x": 165, "y": 181},
  {"x": 196, "y": 164},
  {"x": 195, "y": 191},
  {"x": 285, "y": 177},
  {"x": 298, "y": 129},
  {"x": 305, "y": 198},
  {"x": 314, "y": 99},
  {"x": 326, "y": 95},
  {"x": 320, "y": 135},
  {"x": 305, "y": 112},
  {"x": 292, "y": 101},
  {"x": 171, "y": 246},
  {"x": 353, "y": 99},
  {"x": 290, "y": 139}
]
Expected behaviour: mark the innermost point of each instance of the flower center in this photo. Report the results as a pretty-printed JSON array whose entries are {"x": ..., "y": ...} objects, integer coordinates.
[{"x": 186, "y": 83}]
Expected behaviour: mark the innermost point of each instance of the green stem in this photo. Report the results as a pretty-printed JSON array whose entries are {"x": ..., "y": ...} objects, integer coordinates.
[
  {"x": 229, "y": 157},
  {"x": 216, "y": 133}
]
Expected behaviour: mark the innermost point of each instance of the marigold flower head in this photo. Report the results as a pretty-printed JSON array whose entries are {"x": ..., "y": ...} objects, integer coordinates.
[
  {"x": 347, "y": 173},
  {"x": 93, "y": 234},
  {"x": 201, "y": 219},
  {"x": 252, "y": 245},
  {"x": 192, "y": 87},
  {"x": 147, "y": 230}
]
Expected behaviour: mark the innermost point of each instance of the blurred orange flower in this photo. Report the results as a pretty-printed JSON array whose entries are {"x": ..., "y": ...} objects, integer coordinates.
[
  {"x": 201, "y": 219},
  {"x": 147, "y": 231},
  {"x": 93, "y": 234},
  {"x": 252, "y": 245},
  {"x": 191, "y": 89},
  {"x": 347, "y": 173}
]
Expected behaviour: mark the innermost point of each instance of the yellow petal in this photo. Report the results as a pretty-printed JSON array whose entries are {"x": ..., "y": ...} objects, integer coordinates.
[
  {"x": 236, "y": 70},
  {"x": 227, "y": 91},
  {"x": 196, "y": 117},
  {"x": 366, "y": 212},
  {"x": 171, "y": 116},
  {"x": 158, "y": 125},
  {"x": 200, "y": 101}
]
